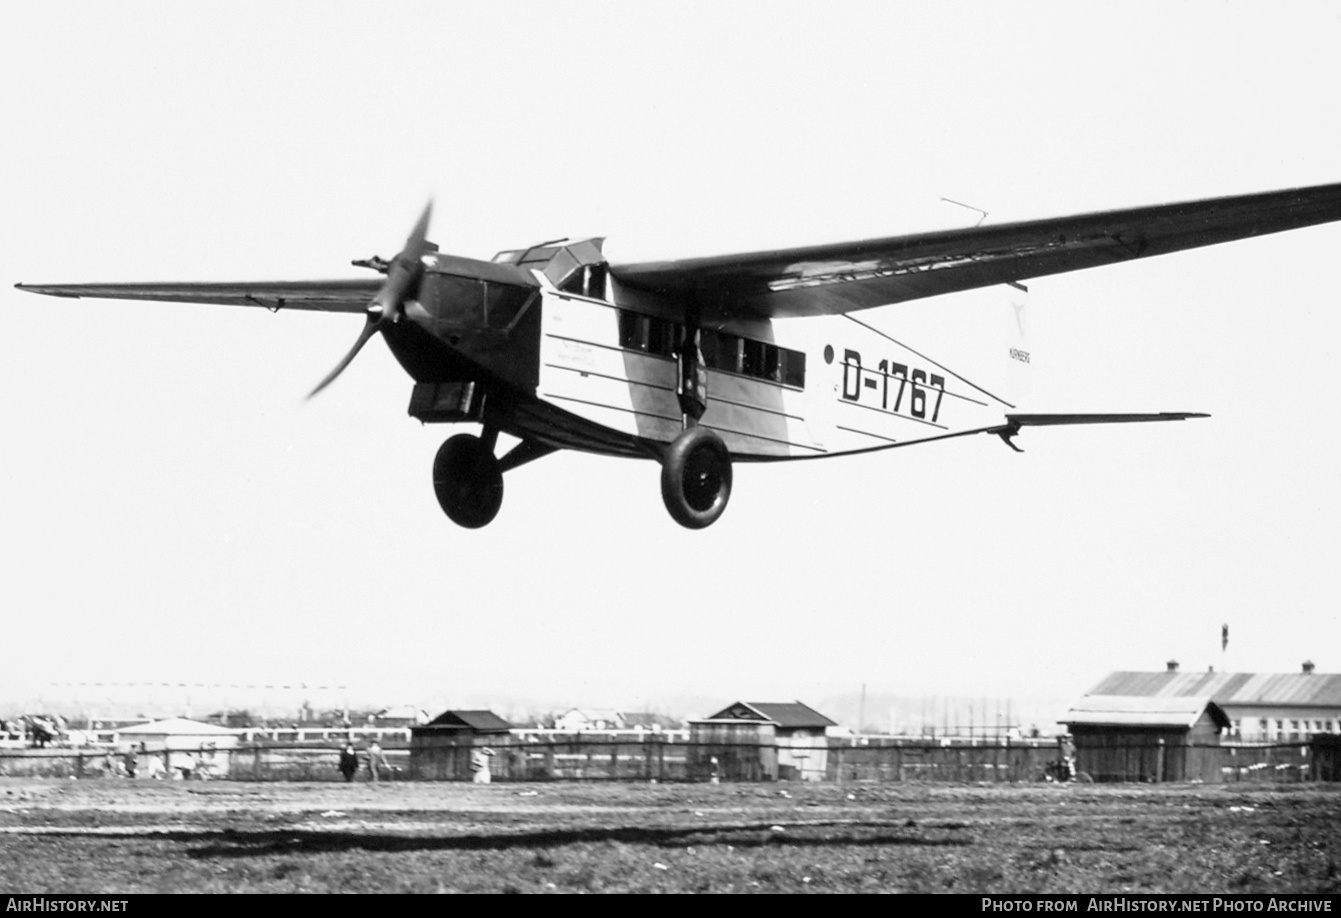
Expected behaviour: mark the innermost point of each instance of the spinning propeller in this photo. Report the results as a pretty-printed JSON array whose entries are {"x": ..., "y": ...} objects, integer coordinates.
[{"x": 387, "y": 306}]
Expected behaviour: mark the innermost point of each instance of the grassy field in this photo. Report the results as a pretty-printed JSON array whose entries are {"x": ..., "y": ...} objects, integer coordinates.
[{"x": 122, "y": 836}]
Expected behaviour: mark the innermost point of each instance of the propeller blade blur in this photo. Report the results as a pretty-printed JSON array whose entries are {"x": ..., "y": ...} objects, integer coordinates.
[
  {"x": 369, "y": 329},
  {"x": 385, "y": 305}
]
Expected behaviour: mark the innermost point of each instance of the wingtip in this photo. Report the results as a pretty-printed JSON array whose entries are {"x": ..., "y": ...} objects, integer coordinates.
[{"x": 46, "y": 291}]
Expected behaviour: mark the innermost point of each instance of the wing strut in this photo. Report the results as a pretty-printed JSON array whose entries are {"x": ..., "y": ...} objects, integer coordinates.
[{"x": 691, "y": 384}]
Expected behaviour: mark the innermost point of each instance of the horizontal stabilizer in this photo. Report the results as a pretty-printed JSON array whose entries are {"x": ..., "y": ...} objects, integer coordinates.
[
  {"x": 1015, "y": 421},
  {"x": 1054, "y": 420}
]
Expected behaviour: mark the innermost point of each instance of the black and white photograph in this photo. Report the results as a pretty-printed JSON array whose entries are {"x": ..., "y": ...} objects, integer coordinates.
[{"x": 460, "y": 447}]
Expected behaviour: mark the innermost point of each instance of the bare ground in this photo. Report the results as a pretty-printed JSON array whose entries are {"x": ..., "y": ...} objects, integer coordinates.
[{"x": 120, "y": 836}]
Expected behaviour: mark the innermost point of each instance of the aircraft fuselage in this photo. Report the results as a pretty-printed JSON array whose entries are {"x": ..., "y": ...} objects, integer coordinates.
[{"x": 582, "y": 370}]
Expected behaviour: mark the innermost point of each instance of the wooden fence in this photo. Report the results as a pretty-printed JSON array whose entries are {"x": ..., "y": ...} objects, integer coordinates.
[
  {"x": 579, "y": 758},
  {"x": 996, "y": 763}
]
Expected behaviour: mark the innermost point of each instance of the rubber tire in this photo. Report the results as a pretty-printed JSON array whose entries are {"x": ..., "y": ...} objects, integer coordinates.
[
  {"x": 696, "y": 478},
  {"x": 467, "y": 481}
]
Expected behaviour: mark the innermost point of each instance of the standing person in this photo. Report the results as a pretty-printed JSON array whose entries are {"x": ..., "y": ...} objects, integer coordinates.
[
  {"x": 479, "y": 764},
  {"x": 349, "y": 762},
  {"x": 376, "y": 760},
  {"x": 128, "y": 761}
]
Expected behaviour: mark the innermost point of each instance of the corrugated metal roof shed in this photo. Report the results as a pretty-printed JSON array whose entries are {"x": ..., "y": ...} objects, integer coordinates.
[
  {"x": 1139, "y": 711},
  {"x": 1246, "y": 689}
]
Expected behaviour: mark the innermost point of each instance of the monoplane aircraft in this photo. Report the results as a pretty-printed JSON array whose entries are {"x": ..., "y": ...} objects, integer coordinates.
[{"x": 703, "y": 362}]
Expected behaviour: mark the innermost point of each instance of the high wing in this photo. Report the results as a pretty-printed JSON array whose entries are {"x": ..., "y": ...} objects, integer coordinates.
[
  {"x": 323, "y": 296},
  {"x": 839, "y": 278}
]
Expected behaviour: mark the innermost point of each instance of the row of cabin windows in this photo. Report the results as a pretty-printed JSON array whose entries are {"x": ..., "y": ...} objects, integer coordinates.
[{"x": 721, "y": 351}]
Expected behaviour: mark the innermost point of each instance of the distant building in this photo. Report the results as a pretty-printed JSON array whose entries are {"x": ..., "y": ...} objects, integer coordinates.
[
  {"x": 1261, "y": 707},
  {"x": 185, "y": 747},
  {"x": 401, "y": 715},
  {"x": 440, "y": 749},
  {"x": 1134, "y": 738},
  {"x": 578, "y": 720},
  {"x": 761, "y": 741},
  {"x": 648, "y": 720}
]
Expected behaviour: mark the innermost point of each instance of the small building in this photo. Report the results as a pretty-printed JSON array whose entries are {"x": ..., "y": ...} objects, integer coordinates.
[
  {"x": 650, "y": 721},
  {"x": 1134, "y": 738},
  {"x": 1261, "y": 707},
  {"x": 184, "y": 747},
  {"x": 400, "y": 715},
  {"x": 440, "y": 750},
  {"x": 1326, "y": 757},
  {"x": 579, "y": 720},
  {"x": 761, "y": 741}
]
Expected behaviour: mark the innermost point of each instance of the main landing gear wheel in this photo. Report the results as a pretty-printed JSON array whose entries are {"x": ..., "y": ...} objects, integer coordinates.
[
  {"x": 467, "y": 481},
  {"x": 696, "y": 478}
]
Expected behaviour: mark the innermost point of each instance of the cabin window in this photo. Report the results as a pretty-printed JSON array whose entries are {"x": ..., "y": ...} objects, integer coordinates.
[
  {"x": 773, "y": 363},
  {"x": 793, "y": 368},
  {"x": 753, "y": 359},
  {"x": 662, "y": 337},
  {"x": 633, "y": 330},
  {"x": 648, "y": 334},
  {"x": 721, "y": 351},
  {"x": 708, "y": 345}
]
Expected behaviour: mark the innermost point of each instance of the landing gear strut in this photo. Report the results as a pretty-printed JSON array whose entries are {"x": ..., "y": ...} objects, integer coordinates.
[
  {"x": 468, "y": 480},
  {"x": 696, "y": 469}
]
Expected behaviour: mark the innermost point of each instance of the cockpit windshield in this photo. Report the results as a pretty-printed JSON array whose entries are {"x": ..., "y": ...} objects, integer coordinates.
[{"x": 575, "y": 267}]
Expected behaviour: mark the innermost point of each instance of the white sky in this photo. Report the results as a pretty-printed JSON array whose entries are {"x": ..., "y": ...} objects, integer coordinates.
[{"x": 171, "y": 509}]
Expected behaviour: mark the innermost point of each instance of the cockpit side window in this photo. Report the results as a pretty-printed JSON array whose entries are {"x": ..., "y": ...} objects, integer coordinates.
[
  {"x": 468, "y": 302},
  {"x": 586, "y": 280}
]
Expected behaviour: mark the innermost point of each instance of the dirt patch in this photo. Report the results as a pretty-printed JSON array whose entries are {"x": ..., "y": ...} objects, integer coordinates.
[{"x": 147, "y": 836}]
